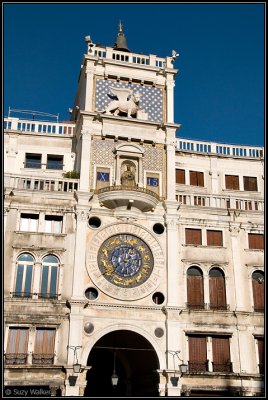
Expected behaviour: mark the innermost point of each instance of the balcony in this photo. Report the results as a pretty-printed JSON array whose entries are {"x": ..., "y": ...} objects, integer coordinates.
[
  {"x": 198, "y": 366},
  {"x": 222, "y": 367},
  {"x": 15, "y": 358},
  {"x": 43, "y": 359},
  {"x": 129, "y": 197},
  {"x": 40, "y": 183}
]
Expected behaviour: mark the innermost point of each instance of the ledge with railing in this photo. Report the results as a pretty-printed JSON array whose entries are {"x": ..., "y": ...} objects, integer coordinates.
[
  {"x": 208, "y": 306},
  {"x": 197, "y": 366},
  {"x": 40, "y": 184},
  {"x": 30, "y": 295},
  {"x": 42, "y": 359},
  {"x": 222, "y": 367},
  {"x": 29, "y": 358},
  {"x": 128, "y": 188},
  {"x": 219, "y": 201},
  {"x": 231, "y": 150},
  {"x": 39, "y": 127}
]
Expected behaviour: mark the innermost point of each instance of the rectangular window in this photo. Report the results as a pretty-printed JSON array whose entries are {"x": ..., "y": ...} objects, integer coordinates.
[
  {"x": 214, "y": 238},
  {"x": 232, "y": 182},
  {"x": 44, "y": 346},
  {"x": 197, "y": 354},
  {"x": 250, "y": 183},
  {"x": 196, "y": 178},
  {"x": 193, "y": 236},
  {"x": 152, "y": 181},
  {"x": 17, "y": 346},
  {"x": 180, "y": 176},
  {"x": 221, "y": 354},
  {"x": 33, "y": 160},
  {"x": 29, "y": 222},
  {"x": 256, "y": 241},
  {"x": 54, "y": 162},
  {"x": 53, "y": 224}
]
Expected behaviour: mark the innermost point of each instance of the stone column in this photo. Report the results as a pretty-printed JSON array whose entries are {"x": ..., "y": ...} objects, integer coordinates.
[
  {"x": 170, "y": 98},
  {"x": 37, "y": 277},
  {"x": 85, "y": 160},
  {"x": 79, "y": 254},
  {"x": 206, "y": 289},
  {"x": 171, "y": 185},
  {"x": 239, "y": 288},
  {"x": 172, "y": 261},
  {"x": 89, "y": 86}
]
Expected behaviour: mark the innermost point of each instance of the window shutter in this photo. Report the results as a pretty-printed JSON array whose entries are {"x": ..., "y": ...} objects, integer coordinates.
[
  {"x": 200, "y": 179},
  {"x": 195, "y": 291},
  {"x": 180, "y": 176},
  {"x": 17, "y": 340},
  {"x": 221, "y": 350},
  {"x": 250, "y": 183},
  {"x": 258, "y": 294},
  {"x": 193, "y": 178},
  {"x": 193, "y": 236},
  {"x": 214, "y": 238},
  {"x": 44, "y": 341},
  {"x": 197, "y": 348},
  {"x": 232, "y": 182},
  {"x": 260, "y": 342},
  {"x": 256, "y": 241},
  {"x": 217, "y": 292}
]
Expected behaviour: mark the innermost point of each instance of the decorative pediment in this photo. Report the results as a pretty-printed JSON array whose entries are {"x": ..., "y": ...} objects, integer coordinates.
[{"x": 129, "y": 148}]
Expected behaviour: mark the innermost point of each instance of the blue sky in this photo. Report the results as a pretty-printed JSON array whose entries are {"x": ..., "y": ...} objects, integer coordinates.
[{"x": 219, "y": 92}]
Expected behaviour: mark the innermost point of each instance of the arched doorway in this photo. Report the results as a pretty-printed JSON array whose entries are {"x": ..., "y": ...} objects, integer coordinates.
[{"x": 135, "y": 362}]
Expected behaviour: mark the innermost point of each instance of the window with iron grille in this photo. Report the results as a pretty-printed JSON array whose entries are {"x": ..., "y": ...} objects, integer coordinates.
[
  {"x": 250, "y": 183},
  {"x": 258, "y": 290},
  {"x": 49, "y": 277},
  {"x": 217, "y": 292},
  {"x": 180, "y": 176},
  {"x": 54, "y": 161},
  {"x": 33, "y": 160},
  {"x": 221, "y": 354},
  {"x": 24, "y": 275},
  {"x": 256, "y": 241},
  {"x": 196, "y": 178},
  {"x": 260, "y": 344},
  {"x": 44, "y": 346},
  {"x": 17, "y": 345},
  {"x": 193, "y": 236},
  {"x": 232, "y": 182},
  {"x": 197, "y": 354},
  {"x": 214, "y": 238},
  {"x": 195, "y": 288}
]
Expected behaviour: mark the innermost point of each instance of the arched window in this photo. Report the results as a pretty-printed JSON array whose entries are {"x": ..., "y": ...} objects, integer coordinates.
[
  {"x": 258, "y": 290},
  {"x": 195, "y": 288},
  {"x": 217, "y": 294},
  {"x": 49, "y": 277},
  {"x": 24, "y": 275}
]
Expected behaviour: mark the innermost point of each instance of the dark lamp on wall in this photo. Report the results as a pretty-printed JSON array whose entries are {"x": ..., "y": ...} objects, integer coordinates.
[
  {"x": 114, "y": 377},
  {"x": 76, "y": 365}
]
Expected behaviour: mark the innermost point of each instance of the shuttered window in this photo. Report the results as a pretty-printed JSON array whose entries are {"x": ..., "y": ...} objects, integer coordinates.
[
  {"x": 232, "y": 182},
  {"x": 195, "y": 288},
  {"x": 250, "y": 183},
  {"x": 258, "y": 290},
  {"x": 180, "y": 176},
  {"x": 255, "y": 241},
  {"x": 17, "y": 346},
  {"x": 217, "y": 293},
  {"x": 196, "y": 178},
  {"x": 197, "y": 353},
  {"x": 193, "y": 236},
  {"x": 214, "y": 238},
  {"x": 221, "y": 354},
  {"x": 44, "y": 346},
  {"x": 260, "y": 343}
]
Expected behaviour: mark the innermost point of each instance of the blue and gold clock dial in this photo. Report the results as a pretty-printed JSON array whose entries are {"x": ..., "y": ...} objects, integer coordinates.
[{"x": 125, "y": 260}]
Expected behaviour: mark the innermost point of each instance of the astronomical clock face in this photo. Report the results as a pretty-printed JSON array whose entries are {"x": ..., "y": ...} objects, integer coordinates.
[
  {"x": 121, "y": 264},
  {"x": 125, "y": 261}
]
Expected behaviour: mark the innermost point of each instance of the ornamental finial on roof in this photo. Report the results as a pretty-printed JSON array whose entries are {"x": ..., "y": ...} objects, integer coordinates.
[{"x": 120, "y": 27}]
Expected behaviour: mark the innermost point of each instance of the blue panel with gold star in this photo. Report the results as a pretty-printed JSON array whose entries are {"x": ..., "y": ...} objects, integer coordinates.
[{"x": 151, "y": 98}]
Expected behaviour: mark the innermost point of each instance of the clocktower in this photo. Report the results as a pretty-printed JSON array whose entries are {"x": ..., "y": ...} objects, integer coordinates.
[{"x": 126, "y": 237}]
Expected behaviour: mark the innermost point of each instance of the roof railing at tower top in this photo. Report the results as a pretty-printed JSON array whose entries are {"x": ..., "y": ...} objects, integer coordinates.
[{"x": 33, "y": 113}]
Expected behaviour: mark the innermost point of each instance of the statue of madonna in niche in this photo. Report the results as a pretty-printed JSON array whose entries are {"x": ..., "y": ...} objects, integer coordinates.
[{"x": 128, "y": 176}]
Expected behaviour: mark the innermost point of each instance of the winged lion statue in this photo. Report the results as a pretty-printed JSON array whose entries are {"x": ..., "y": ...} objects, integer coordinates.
[{"x": 127, "y": 102}]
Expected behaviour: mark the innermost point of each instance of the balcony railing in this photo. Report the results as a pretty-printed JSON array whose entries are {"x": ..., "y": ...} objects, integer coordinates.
[
  {"x": 208, "y": 306},
  {"x": 16, "y": 358},
  {"x": 42, "y": 359},
  {"x": 200, "y": 306},
  {"x": 28, "y": 295},
  {"x": 198, "y": 366},
  {"x": 38, "y": 183},
  {"x": 219, "y": 201},
  {"x": 127, "y": 188},
  {"x": 232, "y": 150},
  {"x": 222, "y": 367},
  {"x": 40, "y": 127}
]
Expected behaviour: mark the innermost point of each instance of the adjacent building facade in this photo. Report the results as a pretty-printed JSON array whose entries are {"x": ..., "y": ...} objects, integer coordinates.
[{"x": 128, "y": 250}]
